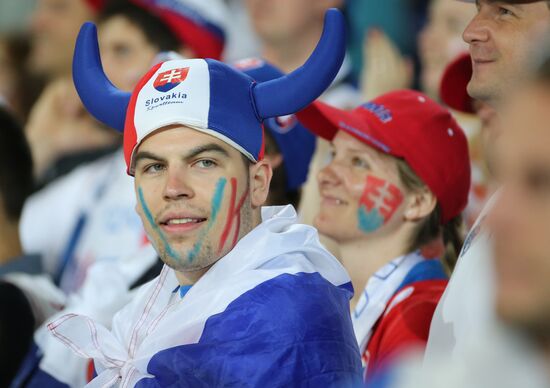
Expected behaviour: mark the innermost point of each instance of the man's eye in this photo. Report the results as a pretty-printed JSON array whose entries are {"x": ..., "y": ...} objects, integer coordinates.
[
  {"x": 153, "y": 168},
  {"x": 205, "y": 163},
  {"x": 504, "y": 12}
]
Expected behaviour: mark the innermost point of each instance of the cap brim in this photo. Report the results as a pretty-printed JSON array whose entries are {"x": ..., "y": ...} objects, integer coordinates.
[{"x": 325, "y": 120}]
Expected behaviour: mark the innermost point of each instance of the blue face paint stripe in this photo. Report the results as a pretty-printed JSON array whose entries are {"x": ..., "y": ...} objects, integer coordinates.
[
  {"x": 215, "y": 207},
  {"x": 155, "y": 227},
  {"x": 369, "y": 221}
]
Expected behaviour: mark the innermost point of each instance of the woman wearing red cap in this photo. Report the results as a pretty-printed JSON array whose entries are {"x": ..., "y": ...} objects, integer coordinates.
[{"x": 392, "y": 196}]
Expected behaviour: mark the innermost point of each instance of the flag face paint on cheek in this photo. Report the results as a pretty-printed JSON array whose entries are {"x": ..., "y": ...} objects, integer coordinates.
[{"x": 378, "y": 203}]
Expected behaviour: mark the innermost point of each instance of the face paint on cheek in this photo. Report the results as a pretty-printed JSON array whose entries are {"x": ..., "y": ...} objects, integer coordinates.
[
  {"x": 234, "y": 215},
  {"x": 155, "y": 227},
  {"x": 378, "y": 203},
  {"x": 214, "y": 209}
]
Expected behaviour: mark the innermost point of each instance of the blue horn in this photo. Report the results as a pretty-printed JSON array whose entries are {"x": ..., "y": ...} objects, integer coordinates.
[
  {"x": 295, "y": 91},
  {"x": 100, "y": 97}
]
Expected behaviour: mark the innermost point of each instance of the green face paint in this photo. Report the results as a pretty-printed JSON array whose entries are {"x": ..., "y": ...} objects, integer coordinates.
[
  {"x": 214, "y": 210},
  {"x": 155, "y": 227}
]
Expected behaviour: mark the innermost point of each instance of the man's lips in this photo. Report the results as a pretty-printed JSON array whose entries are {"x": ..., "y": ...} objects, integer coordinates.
[{"x": 181, "y": 222}]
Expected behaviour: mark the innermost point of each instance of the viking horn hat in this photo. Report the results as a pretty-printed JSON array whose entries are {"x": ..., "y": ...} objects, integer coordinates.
[{"x": 204, "y": 94}]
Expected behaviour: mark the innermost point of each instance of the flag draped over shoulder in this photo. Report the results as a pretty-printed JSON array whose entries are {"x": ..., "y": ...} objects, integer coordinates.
[{"x": 272, "y": 312}]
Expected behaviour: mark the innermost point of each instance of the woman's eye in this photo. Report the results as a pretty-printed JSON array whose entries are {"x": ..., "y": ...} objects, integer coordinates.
[
  {"x": 206, "y": 163},
  {"x": 358, "y": 162}
]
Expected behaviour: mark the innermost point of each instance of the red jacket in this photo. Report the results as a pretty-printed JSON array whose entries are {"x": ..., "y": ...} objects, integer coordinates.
[{"x": 405, "y": 323}]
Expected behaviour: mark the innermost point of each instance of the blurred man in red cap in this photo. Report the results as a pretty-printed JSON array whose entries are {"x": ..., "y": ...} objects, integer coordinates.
[{"x": 398, "y": 181}]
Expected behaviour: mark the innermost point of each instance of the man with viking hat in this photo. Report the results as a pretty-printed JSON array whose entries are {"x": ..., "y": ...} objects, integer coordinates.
[{"x": 247, "y": 296}]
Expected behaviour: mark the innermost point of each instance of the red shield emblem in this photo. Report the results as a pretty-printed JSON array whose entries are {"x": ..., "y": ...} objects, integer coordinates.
[{"x": 168, "y": 80}]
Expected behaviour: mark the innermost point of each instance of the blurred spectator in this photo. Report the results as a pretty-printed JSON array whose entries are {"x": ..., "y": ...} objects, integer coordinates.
[
  {"x": 384, "y": 68},
  {"x": 289, "y": 30},
  {"x": 54, "y": 27},
  {"x": 501, "y": 52},
  {"x": 18, "y": 87},
  {"x": 388, "y": 205},
  {"x": 16, "y": 318},
  {"x": 241, "y": 42},
  {"x": 14, "y": 16},
  {"x": 502, "y": 38},
  {"x": 440, "y": 41},
  {"x": 62, "y": 135},
  {"x": 60, "y": 132},
  {"x": 15, "y": 186},
  {"x": 399, "y": 20}
]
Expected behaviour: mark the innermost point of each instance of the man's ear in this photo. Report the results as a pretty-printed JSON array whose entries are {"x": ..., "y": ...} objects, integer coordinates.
[
  {"x": 420, "y": 204},
  {"x": 260, "y": 178}
]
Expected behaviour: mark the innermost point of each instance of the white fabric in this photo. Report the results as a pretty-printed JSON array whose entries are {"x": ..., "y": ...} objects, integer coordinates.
[
  {"x": 154, "y": 321},
  {"x": 377, "y": 293},
  {"x": 105, "y": 291},
  {"x": 465, "y": 310},
  {"x": 498, "y": 359},
  {"x": 113, "y": 229}
]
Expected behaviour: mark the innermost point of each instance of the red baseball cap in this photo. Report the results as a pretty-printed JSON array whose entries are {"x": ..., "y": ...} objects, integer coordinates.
[
  {"x": 453, "y": 89},
  {"x": 408, "y": 125}
]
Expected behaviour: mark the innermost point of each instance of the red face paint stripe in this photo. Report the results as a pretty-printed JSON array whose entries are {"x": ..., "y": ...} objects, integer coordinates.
[{"x": 234, "y": 213}]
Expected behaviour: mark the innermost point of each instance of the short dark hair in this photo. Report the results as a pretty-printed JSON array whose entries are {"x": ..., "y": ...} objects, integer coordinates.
[
  {"x": 279, "y": 195},
  {"x": 155, "y": 30},
  {"x": 16, "y": 179}
]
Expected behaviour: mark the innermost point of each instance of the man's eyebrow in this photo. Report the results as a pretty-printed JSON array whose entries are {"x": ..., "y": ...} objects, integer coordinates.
[
  {"x": 210, "y": 147},
  {"x": 147, "y": 155},
  {"x": 193, "y": 153}
]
